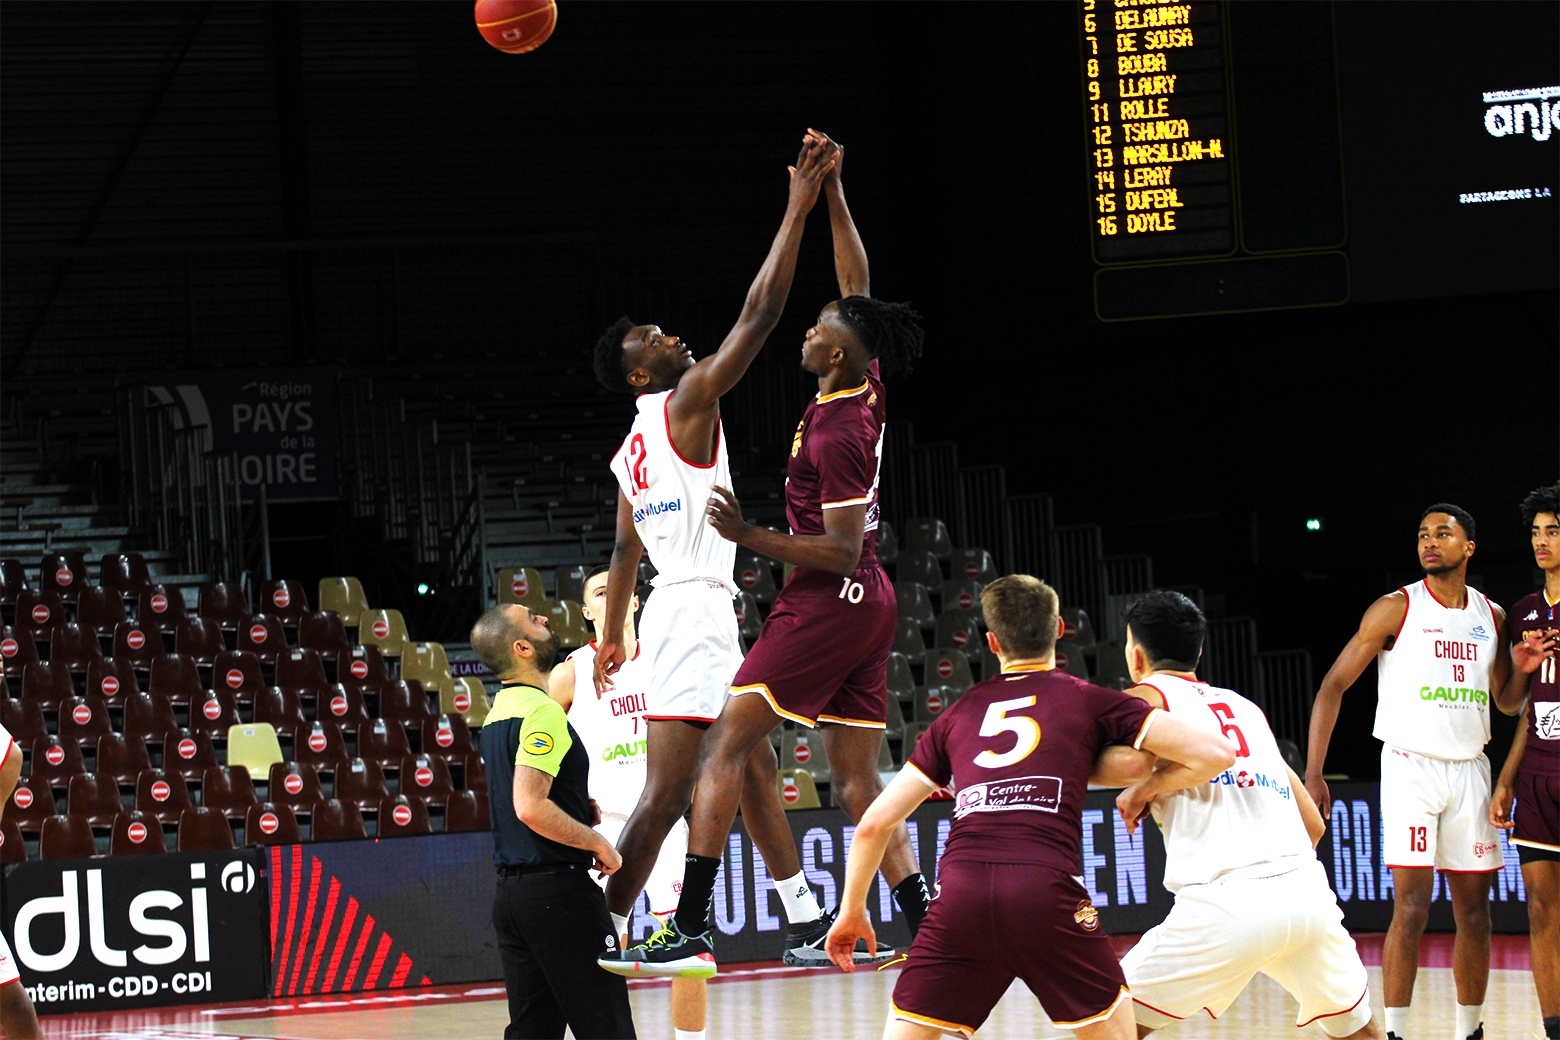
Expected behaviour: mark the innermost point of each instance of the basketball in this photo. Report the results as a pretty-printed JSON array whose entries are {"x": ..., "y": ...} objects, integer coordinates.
[{"x": 516, "y": 26}]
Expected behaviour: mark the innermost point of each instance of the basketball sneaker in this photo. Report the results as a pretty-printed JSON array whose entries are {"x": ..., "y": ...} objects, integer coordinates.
[
  {"x": 668, "y": 953},
  {"x": 804, "y": 945}
]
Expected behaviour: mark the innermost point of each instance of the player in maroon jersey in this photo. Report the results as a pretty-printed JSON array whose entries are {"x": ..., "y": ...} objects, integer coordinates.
[
  {"x": 1532, "y": 771},
  {"x": 822, "y": 659},
  {"x": 1020, "y": 749}
]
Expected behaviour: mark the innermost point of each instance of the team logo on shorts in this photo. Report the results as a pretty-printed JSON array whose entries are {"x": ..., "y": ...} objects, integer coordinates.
[
  {"x": 1086, "y": 915},
  {"x": 538, "y": 744}
]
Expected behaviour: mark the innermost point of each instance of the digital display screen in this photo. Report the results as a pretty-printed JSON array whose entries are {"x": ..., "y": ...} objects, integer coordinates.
[{"x": 1157, "y": 123}]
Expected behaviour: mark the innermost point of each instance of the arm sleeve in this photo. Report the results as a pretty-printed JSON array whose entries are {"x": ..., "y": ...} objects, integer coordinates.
[
  {"x": 847, "y": 467},
  {"x": 930, "y": 757},
  {"x": 544, "y": 738},
  {"x": 1121, "y": 716}
]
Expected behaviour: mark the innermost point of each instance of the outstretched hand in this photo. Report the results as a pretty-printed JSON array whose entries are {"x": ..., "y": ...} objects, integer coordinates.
[
  {"x": 1535, "y": 647},
  {"x": 813, "y": 163},
  {"x": 725, "y": 514}
]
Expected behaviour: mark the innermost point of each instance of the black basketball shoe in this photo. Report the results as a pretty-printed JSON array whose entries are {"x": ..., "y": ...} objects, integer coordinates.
[
  {"x": 666, "y": 954},
  {"x": 804, "y": 945}
]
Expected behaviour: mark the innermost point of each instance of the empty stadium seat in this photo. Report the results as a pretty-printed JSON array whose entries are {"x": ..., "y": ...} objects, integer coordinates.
[
  {"x": 913, "y": 731},
  {"x": 947, "y": 668},
  {"x": 254, "y": 747},
  {"x": 136, "y": 834},
  {"x": 149, "y": 717},
  {"x": 333, "y": 819},
  {"x": 895, "y": 729},
  {"x": 112, "y": 679},
  {"x": 919, "y": 565},
  {"x": 901, "y": 681},
  {"x": 989, "y": 664},
  {"x": 126, "y": 573},
  {"x": 121, "y": 757},
  {"x": 54, "y": 761},
  {"x": 385, "y": 629},
  {"x": 908, "y": 639},
  {"x": 915, "y": 603},
  {"x": 100, "y": 611},
  {"x": 285, "y": 599},
  {"x": 467, "y": 811},
  {"x": 755, "y": 574},
  {"x": 229, "y": 789},
  {"x": 239, "y": 672},
  {"x": 303, "y": 672},
  {"x": 1069, "y": 659},
  {"x": 476, "y": 772},
  {"x": 569, "y": 582},
  {"x": 888, "y": 543},
  {"x": 66, "y": 837},
  {"x": 23, "y": 720},
  {"x": 73, "y": 647},
  {"x": 426, "y": 778},
  {"x": 38, "y": 611},
  {"x": 429, "y": 665},
  {"x": 886, "y": 762},
  {"x": 343, "y": 705},
  {"x": 320, "y": 744},
  {"x": 136, "y": 645},
  {"x": 188, "y": 752},
  {"x": 406, "y": 701},
  {"x": 470, "y": 701},
  {"x": 17, "y": 650},
  {"x": 13, "y": 847},
  {"x": 959, "y": 630},
  {"x": 803, "y": 750},
  {"x": 280, "y": 709},
  {"x": 46, "y": 684},
  {"x": 749, "y": 623},
  {"x": 362, "y": 782},
  {"x": 199, "y": 639},
  {"x": 345, "y": 598},
  {"x": 162, "y": 795},
  {"x": 568, "y": 624},
  {"x": 975, "y": 564},
  {"x": 521, "y": 585},
  {"x": 176, "y": 679},
  {"x": 271, "y": 824},
  {"x": 447, "y": 737},
  {"x": 930, "y": 534},
  {"x": 94, "y": 798},
  {"x": 262, "y": 635},
  {"x": 932, "y": 701},
  {"x": 322, "y": 631},
  {"x": 214, "y": 713},
  {"x": 960, "y": 593},
  {"x": 797, "y": 790},
  {"x": 224, "y": 603},
  {"x": 383, "y": 742},
  {"x": 296, "y": 785},
  {"x": 160, "y": 609},
  {"x": 399, "y": 815},
  {"x": 65, "y": 574},
  {"x": 30, "y": 803},
  {"x": 364, "y": 667},
  {"x": 203, "y": 829},
  {"x": 13, "y": 579},
  {"x": 83, "y": 720}
]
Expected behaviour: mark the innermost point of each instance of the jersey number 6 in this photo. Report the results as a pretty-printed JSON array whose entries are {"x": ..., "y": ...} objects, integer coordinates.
[
  {"x": 1229, "y": 729},
  {"x": 997, "y": 721}
]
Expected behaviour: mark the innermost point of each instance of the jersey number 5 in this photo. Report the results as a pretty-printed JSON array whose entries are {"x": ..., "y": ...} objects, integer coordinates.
[
  {"x": 634, "y": 464},
  {"x": 1229, "y": 729},
  {"x": 1024, "y": 728}
]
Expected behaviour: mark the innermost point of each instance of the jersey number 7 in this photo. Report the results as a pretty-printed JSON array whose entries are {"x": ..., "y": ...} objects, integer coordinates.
[{"x": 1229, "y": 729}]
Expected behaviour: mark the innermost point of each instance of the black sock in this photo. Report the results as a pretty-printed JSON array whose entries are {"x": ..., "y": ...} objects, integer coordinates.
[
  {"x": 914, "y": 900},
  {"x": 693, "y": 908},
  {"x": 1552, "y": 1027}
]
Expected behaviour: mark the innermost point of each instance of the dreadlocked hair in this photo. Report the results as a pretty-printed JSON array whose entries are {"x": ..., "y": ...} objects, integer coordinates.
[
  {"x": 891, "y": 332},
  {"x": 1541, "y": 500},
  {"x": 607, "y": 360}
]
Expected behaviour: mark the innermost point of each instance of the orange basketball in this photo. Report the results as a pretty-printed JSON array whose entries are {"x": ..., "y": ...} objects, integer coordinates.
[{"x": 516, "y": 26}]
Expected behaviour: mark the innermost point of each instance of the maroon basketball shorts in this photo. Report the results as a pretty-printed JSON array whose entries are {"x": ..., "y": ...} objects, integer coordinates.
[
  {"x": 1537, "y": 831},
  {"x": 823, "y": 653},
  {"x": 993, "y": 922}
]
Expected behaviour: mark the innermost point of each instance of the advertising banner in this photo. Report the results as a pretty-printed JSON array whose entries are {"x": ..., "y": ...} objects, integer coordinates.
[
  {"x": 144, "y": 931},
  {"x": 281, "y": 422}
]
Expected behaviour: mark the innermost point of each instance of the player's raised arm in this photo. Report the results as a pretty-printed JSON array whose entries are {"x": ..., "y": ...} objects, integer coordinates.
[
  {"x": 1378, "y": 629},
  {"x": 622, "y": 578},
  {"x": 709, "y": 380},
  {"x": 850, "y": 256},
  {"x": 878, "y": 824}
]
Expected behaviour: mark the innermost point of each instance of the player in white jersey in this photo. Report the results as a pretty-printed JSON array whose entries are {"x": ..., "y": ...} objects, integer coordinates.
[
  {"x": 17, "y": 1017},
  {"x": 611, "y": 725},
  {"x": 1250, "y": 895},
  {"x": 672, "y": 458},
  {"x": 1439, "y": 650}
]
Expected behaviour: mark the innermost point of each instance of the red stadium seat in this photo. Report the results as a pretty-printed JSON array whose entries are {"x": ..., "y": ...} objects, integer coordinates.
[
  {"x": 447, "y": 737},
  {"x": 23, "y": 720},
  {"x": 285, "y": 599},
  {"x": 262, "y": 635},
  {"x": 17, "y": 650},
  {"x": 228, "y": 791},
  {"x": 281, "y": 709},
  {"x": 406, "y": 701},
  {"x": 271, "y": 824},
  {"x": 384, "y": 742},
  {"x": 214, "y": 712},
  {"x": 73, "y": 647},
  {"x": 64, "y": 573},
  {"x": 188, "y": 752},
  {"x": 302, "y": 672},
  {"x": 319, "y": 744},
  {"x": 148, "y": 717},
  {"x": 94, "y": 798},
  {"x": 224, "y": 603},
  {"x": 137, "y": 645},
  {"x": 239, "y": 673},
  {"x": 476, "y": 772},
  {"x": 200, "y": 639},
  {"x": 362, "y": 783},
  {"x": 162, "y": 795},
  {"x": 365, "y": 668},
  {"x": 112, "y": 679},
  {"x": 401, "y": 815},
  {"x": 13, "y": 847},
  {"x": 83, "y": 720},
  {"x": 343, "y": 705},
  {"x": 13, "y": 579},
  {"x": 121, "y": 757},
  {"x": 323, "y": 631},
  {"x": 47, "y": 685},
  {"x": 30, "y": 804},
  {"x": 54, "y": 761},
  {"x": 334, "y": 819},
  {"x": 66, "y": 837},
  {"x": 160, "y": 609},
  {"x": 100, "y": 611},
  {"x": 202, "y": 829},
  {"x": 467, "y": 811},
  {"x": 136, "y": 834},
  {"x": 125, "y": 572},
  {"x": 176, "y": 679},
  {"x": 295, "y": 785},
  {"x": 38, "y": 611},
  {"x": 426, "y": 778}
]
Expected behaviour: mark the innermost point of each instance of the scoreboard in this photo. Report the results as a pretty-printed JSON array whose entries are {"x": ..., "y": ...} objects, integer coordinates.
[{"x": 1160, "y": 154}]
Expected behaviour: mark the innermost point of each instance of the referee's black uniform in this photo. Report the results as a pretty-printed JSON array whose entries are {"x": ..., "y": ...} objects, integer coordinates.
[{"x": 550, "y": 916}]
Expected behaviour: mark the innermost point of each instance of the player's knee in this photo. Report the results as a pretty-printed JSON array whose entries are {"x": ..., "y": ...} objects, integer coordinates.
[
  {"x": 1473, "y": 919},
  {"x": 1543, "y": 910},
  {"x": 854, "y": 792},
  {"x": 1412, "y": 911}
]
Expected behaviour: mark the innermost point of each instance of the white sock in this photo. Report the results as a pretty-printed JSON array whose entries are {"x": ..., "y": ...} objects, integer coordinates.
[
  {"x": 1397, "y": 1021},
  {"x": 619, "y": 925},
  {"x": 1468, "y": 1018},
  {"x": 797, "y": 897},
  {"x": 689, "y": 1034}
]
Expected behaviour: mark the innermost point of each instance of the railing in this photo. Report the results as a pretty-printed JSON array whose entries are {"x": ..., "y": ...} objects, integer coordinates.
[
  {"x": 1230, "y": 656},
  {"x": 1080, "y": 575},
  {"x": 1287, "y": 693},
  {"x": 1126, "y": 578}
]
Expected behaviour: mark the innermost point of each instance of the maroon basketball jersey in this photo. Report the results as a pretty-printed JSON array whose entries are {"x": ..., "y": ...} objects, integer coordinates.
[
  {"x": 1019, "y": 749},
  {"x": 1533, "y": 613},
  {"x": 835, "y": 457}
]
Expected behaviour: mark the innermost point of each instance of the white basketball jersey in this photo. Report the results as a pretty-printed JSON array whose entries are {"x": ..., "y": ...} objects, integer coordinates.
[
  {"x": 1245, "y": 816},
  {"x": 1433, "y": 693},
  {"x": 611, "y": 727},
  {"x": 669, "y": 495}
]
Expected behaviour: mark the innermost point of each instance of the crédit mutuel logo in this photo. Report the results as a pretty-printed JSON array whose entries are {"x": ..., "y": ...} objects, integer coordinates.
[{"x": 656, "y": 509}]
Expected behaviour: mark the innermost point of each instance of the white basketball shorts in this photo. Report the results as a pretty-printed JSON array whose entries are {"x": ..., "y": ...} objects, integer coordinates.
[
  {"x": 1435, "y": 813},
  {"x": 8, "y": 970},
  {"x": 664, "y": 886},
  {"x": 691, "y": 650},
  {"x": 1221, "y": 934}
]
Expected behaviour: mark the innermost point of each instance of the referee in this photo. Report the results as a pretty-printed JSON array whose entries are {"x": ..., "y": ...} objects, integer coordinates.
[{"x": 551, "y": 919}]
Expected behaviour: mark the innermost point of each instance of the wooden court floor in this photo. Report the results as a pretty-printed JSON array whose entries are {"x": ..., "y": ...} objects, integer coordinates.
[{"x": 776, "y": 1003}]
